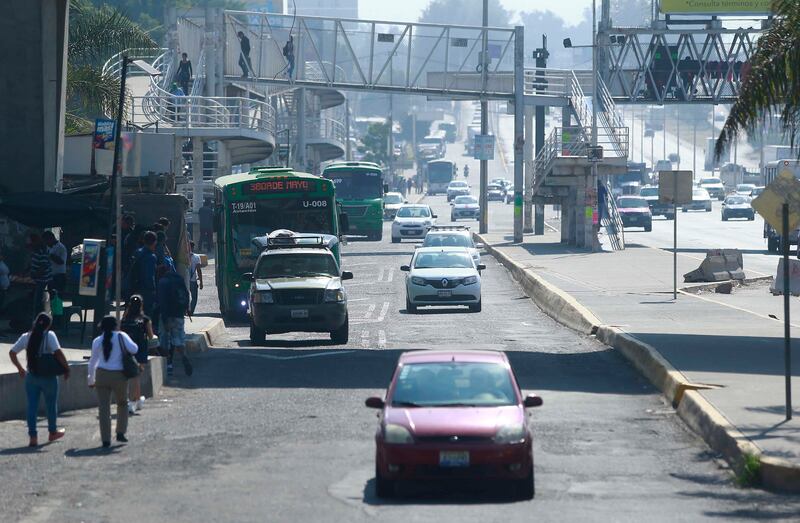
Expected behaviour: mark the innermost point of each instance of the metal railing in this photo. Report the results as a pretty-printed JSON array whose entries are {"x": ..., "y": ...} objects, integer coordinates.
[
  {"x": 550, "y": 82},
  {"x": 153, "y": 56},
  {"x": 612, "y": 222},
  {"x": 322, "y": 128}
]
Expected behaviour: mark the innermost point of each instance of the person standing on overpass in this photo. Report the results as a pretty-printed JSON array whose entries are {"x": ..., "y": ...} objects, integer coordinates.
[{"x": 244, "y": 58}]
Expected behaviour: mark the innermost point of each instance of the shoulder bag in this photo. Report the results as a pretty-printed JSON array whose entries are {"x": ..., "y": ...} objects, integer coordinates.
[
  {"x": 47, "y": 366},
  {"x": 130, "y": 368}
]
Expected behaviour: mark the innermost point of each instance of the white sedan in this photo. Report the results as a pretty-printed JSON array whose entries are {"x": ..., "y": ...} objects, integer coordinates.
[
  {"x": 412, "y": 221},
  {"x": 443, "y": 276}
]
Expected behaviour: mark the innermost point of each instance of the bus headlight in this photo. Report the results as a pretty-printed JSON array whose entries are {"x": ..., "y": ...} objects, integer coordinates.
[
  {"x": 334, "y": 295},
  {"x": 263, "y": 297}
]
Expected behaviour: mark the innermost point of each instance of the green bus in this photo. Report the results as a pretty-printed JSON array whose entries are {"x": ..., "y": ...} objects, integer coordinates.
[
  {"x": 360, "y": 190},
  {"x": 254, "y": 204}
]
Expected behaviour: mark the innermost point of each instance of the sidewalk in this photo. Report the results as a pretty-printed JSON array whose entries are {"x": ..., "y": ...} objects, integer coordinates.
[{"x": 718, "y": 358}]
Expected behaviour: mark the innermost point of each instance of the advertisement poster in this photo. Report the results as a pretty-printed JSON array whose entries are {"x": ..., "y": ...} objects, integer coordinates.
[
  {"x": 103, "y": 134},
  {"x": 90, "y": 267},
  {"x": 716, "y": 7}
]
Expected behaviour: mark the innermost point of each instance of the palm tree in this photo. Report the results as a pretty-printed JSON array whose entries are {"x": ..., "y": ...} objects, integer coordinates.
[
  {"x": 772, "y": 87},
  {"x": 95, "y": 34}
]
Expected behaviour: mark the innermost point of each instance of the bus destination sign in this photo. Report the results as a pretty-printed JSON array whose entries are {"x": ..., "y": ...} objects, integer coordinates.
[{"x": 279, "y": 186}]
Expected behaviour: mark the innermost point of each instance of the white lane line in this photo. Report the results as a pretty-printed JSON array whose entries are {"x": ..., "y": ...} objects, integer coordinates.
[
  {"x": 351, "y": 300},
  {"x": 300, "y": 357},
  {"x": 364, "y": 339},
  {"x": 384, "y": 310},
  {"x": 381, "y": 339},
  {"x": 380, "y": 273},
  {"x": 391, "y": 276},
  {"x": 370, "y": 310}
]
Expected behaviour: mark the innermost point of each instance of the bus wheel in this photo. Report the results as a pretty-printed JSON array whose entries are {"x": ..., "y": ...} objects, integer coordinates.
[
  {"x": 342, "y": 334},
  {"x": 376, "y": 236},
  {"x": 257, "y": 336}
]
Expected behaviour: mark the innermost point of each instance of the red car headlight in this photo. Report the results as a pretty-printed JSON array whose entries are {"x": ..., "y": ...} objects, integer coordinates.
[{"x": 397, "y": 435}]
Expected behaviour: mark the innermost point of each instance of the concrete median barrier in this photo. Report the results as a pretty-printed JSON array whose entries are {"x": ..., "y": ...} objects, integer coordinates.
[
  {"x": 719, "y": 265},
  {"x": 204, "y": 339}
]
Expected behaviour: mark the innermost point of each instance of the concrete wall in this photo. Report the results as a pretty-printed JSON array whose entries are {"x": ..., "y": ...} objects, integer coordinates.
[{"x": 33, "y": 35}]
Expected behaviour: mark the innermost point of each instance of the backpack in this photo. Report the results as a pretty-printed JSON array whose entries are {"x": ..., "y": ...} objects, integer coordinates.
[
  {"x": 181, "y": 297},
  {"x": 131, "y": 282},
  {"x": 137, "y": 332}
]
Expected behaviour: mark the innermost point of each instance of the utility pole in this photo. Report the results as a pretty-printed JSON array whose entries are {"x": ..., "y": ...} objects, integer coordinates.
[
  {"x": 590, "y": 191},
  {"x": 390, "y": 145},
  {"x": 348, "y": 150},
  {"x": 484, "y": 165},
  {"x": 678, "y": 135},
  {"x": 519, "y": 132},
  {"x": 541, "y": 55},
  {"x": 641, "y": 136}
]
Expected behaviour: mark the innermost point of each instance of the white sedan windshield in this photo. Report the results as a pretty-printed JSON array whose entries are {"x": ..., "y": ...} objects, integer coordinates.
[
  {"x": 443, "y": 260},
  {"x": 413, "y": 212}
]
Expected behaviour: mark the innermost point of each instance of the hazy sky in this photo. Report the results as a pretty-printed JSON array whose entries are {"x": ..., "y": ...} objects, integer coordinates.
[{"x": 409, "y": 10}]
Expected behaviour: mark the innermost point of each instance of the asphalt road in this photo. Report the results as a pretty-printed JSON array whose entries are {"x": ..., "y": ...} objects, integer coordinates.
[{"x": 280, "y": 433}]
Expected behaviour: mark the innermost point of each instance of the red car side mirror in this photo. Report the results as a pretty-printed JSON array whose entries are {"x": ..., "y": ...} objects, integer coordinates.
[
  {"x": 532, "y": 400},
  {"x": 374, "y": 403}
]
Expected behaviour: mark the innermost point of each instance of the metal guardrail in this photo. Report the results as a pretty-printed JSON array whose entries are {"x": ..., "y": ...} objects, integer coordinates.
[
  {"x": 153, "y": 56},
  {"x": 550, "y": 82},
  {"x": 612, "y": 222}
]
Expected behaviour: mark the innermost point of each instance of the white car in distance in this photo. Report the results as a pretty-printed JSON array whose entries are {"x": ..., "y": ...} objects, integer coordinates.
[
  {"x": 453, "y": 236},
  {"x": 412, "y": 221},
  {"x": 465, "y": 207},
  {"x": 442, "y": 276},
  {"x": 457, "y": 188},
  {"x": 391, "y": 204}
]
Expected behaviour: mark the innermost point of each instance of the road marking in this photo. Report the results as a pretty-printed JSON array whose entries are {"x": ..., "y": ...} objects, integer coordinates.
[
  {"x": 390, "y": 277},
  {"x": 370, "y": 310},
  {"x": 299, "y": 357},
  {"x": 754, "y": 313},
  {"x": 364, "y": 339},
  {"x": 351, "y": 300},
  {"x": 384, "y": 310},
  {"x": 381, "y": 339},
  {"x": 380, "y": 273}
]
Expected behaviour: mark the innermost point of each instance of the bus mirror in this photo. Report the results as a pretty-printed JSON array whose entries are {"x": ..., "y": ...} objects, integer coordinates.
[
  {"x": 344, "y": 222},
  {"x": 385, "y": 188},
  {"x": 248, "y": 276}
]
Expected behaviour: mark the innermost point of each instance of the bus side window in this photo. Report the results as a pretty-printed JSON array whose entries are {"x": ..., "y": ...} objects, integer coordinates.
[{"x": 217, "y": 218}]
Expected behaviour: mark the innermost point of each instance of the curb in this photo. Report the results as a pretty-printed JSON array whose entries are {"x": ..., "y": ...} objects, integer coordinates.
[
  {"x": 204, "y": 340},
  {"x": 556, "y": 303},
  {"x": 694, "y": 409}
]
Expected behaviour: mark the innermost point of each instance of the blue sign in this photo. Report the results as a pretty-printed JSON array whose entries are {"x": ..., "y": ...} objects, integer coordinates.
[{"x": 104, "y": 134}]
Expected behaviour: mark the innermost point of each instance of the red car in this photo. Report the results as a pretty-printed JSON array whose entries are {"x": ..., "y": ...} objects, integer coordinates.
[{"x": 454, "y": 414}]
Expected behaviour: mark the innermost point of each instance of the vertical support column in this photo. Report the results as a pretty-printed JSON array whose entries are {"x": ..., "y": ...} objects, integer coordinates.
[
  {"x": 209, "y": 47},
  {"x": 484, "y": 165},
  {"x": 538, "y": 224},
  {"x": 528, "y": 210},
  {"x": 197, "y": 184},
  {"x": 348, "y": 152},
  {"x": 300, "y": 105},
  {"x": 519, "y": 135}
]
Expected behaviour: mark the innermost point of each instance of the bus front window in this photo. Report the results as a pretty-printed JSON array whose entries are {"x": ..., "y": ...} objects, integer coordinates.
[
  {"x": 357, "y": 185},
  {"x": 259, "y": 218}
]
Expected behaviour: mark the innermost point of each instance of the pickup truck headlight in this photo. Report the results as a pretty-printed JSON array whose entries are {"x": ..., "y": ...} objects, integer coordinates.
[
  {"x": 334, "y": 295},
  {"x": 510, "y": 434},
  {"x": 470, "y": 280},
  {"x": 263, "y": 297},
  {"x": 416, "y": 280},
  {"x": 397, "y": 434}
]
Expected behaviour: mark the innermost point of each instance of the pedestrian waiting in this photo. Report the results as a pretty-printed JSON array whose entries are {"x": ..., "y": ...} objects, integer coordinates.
[
  {"x": 45, "y": 362},
  {"x": 140, "y": 329},
  {"x": 195, "y": 277},
  {"x": 184, "y": 73},
  {"x": 106, "y": 376},
  {"x": 173, "y": 304}
]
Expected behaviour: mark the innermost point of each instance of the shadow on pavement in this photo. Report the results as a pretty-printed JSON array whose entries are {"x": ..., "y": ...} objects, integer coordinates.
[
  {"x": 468, "y": 492},
  {"x": 93, "y": 452}
]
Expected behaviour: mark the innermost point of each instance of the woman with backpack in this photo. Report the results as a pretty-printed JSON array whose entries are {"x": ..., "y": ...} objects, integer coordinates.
[
  {"x": 106, "y": 376},
  {"x": 45, "y": 362},
  {"x": 140, "y": 329}
]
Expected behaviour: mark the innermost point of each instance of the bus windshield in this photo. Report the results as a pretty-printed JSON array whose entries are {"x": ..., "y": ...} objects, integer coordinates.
[
  {"x": 260, "y": 217},
  {"x": 440, "y": 172},
  {"x": 357, "y": 184}
]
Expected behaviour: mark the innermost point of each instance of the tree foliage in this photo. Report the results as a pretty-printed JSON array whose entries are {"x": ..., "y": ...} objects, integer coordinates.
[
  {"x": 772, "y": 86},
  {"x": 459, "y": 12},
  {"x": 375, "y": 146},
  {"x": 95, "y": 35}
]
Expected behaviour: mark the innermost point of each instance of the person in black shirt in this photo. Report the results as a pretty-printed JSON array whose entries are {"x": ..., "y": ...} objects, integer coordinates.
[
  {"x": 244, "y": 58},
  {"x": 288, "y": 52},
  {"x": 184, "y": 74}
]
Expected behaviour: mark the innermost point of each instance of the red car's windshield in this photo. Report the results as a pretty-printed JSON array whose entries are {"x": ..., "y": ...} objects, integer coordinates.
[{"x": 454, "y": 384}]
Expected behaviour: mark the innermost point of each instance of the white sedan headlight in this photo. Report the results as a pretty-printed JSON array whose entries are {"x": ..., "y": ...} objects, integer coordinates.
[
  {"x": 416, "y": 280},
  {"x": 470, "y": 280},
  {"x": 510, "y": 434},
  {"x": 397, "y": 434}
]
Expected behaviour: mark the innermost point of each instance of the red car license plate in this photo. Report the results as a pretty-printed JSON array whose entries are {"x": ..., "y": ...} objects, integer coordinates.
[{"x": 450, "y": 458}]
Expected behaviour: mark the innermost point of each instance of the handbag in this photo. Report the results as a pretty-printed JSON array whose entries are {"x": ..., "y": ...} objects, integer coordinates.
[
  {"x": 47, "y": 366},
  {"x": 130, "y": 368}
]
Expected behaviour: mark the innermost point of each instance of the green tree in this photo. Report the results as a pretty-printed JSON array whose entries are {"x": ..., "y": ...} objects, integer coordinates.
[
  {"x": 95, "y": 35},
  {"x": 376, "y": 144},
  {"x": 771, "y": 88},
  {"x": 459, "y": 12}
]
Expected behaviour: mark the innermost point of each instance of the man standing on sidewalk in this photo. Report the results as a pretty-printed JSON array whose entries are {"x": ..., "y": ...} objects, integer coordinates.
[
  {"x": 58, "y": 262},
  {"x": 195, "y": 277},
  {"x": 173, "y": 304},
  {"x": 143, "y": 273},
  {"x": 39, "y": 270}
]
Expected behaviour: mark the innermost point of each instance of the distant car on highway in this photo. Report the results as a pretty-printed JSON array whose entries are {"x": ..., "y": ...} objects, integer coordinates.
[
  {"x": 457, "y": 188},
  {"x": 465, "y": 207},
  {"x": 635, "y": 212},
  {"x": 443, "y": 276},
  {"x": 509, "y": 197},
  {"x": 495, "y": 192},
  {"x": 757, "y": 192},
  {"x": 657, "y": 208},
  {"x": 737, "y": 206},
  {"x": 391, "y": 203},
  {"x": 454, "y": 414},
  {"x": 412, "y": 221},
  {"x": 745, "y": 189},
  {"x": 714, "y": 187},
  {"x": 453, "y": 236},
  {"x": 701, "y": 201}
]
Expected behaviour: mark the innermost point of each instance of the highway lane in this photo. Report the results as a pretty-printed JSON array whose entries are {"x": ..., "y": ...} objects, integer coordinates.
[{"x": 279, "y": 432}]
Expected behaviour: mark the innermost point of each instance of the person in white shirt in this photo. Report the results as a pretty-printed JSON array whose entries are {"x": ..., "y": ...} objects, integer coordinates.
[
  {"x": 105, "y": 376},
  {"x": 38, "y": 343},
  {"x": 195, "y": 276},
  {"x": 58, "y": 262}
]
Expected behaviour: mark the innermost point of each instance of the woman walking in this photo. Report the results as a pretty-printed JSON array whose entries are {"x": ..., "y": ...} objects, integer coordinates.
[
  {"x": 140, "y": 329},
  {"x": 106, "y": 377},
  {"x": 41, "y": 347}
]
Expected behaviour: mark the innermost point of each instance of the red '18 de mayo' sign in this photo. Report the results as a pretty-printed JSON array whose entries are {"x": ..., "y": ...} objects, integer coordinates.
[{"x": 278, "y": 186}]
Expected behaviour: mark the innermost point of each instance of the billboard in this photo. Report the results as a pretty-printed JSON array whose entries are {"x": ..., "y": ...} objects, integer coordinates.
[{"x": 716, "y": 7}]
